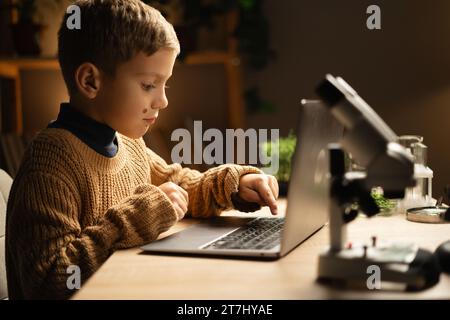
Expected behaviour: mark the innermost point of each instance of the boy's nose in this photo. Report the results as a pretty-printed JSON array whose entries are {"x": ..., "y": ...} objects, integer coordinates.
[{"x": 160, "y": 103}]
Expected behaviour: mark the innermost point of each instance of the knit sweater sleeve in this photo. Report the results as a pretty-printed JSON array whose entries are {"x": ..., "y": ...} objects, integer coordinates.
[
  {"x": 45, "y": 236},
  {"x": 210, "y": 192}
]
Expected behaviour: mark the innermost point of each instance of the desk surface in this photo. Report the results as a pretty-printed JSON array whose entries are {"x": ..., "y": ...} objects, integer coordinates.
[{"x": 129, "y": 274}]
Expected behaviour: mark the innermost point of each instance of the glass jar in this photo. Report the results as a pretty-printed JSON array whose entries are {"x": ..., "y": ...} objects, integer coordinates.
[{"x": 421, "y": 194}]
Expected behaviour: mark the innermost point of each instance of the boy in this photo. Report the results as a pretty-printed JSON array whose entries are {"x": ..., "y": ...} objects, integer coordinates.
[{"x": 88, "y": 185}]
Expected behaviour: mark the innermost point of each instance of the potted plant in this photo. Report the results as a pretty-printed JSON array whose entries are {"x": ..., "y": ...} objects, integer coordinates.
[
  {"x": 387, "y": 206},
  {"x": 286, "y": 147},
  {"x": 175, "y": 12},
  {"x": 251, "y": 32},
  {"x": 26, "y": 30}
]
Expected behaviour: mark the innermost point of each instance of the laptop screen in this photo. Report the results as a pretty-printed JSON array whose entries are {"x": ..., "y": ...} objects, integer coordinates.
[{"x": 307, "y": 208}]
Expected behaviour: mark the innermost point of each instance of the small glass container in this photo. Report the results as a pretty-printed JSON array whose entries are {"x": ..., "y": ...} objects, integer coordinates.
[{"x": 421, "y": 194}]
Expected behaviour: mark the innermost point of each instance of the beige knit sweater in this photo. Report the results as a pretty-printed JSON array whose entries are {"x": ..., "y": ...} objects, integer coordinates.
[{"x": 70, "y": 205}]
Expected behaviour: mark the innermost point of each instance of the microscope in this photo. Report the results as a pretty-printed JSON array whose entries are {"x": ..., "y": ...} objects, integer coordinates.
[{"x": 387, "y": 165}]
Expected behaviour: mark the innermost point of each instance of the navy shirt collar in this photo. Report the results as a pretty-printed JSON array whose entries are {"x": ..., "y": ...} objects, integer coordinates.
[{"x": 96, "y": 135}]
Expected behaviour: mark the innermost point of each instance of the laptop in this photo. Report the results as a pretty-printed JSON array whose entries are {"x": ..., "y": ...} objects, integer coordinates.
[{"x": 272, "y": 237}]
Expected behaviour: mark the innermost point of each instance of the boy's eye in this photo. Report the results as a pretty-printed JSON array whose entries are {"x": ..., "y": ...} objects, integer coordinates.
[{"x": 148, "y": 87}]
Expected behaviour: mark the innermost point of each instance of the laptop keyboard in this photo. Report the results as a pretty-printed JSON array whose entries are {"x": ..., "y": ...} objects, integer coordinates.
[{"x": 258, "y": 234}]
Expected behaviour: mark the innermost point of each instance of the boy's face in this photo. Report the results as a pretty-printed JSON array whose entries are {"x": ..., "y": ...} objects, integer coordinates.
[{"x": 130, "y": 101}]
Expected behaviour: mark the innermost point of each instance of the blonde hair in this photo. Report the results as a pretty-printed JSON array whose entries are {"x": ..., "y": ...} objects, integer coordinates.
[{"x": 112, "y": 32}]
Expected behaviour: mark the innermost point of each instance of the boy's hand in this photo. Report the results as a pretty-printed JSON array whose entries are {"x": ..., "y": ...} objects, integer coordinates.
[
  {"x": 259, "y": 188},
  {"x": 178, "y": 196}
]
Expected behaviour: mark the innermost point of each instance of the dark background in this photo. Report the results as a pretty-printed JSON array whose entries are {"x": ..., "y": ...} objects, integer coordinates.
[{"x": 402, "y": 71}]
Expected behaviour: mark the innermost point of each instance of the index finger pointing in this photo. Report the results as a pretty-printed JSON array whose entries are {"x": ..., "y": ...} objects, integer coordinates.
[{"x": 266, "y": 194}]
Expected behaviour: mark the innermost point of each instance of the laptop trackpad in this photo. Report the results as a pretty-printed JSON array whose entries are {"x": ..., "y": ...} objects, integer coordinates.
[{"x": 197, "y": 235}]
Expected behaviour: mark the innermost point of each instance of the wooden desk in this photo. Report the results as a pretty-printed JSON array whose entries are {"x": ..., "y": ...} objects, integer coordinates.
[{"x": 128, "y": 274}]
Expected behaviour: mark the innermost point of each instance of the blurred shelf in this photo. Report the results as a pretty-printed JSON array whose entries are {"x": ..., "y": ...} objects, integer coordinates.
[
  {"x": 208, "y": 57},
  {"x": 32, "y": 63},
  {"x": 11, "y": 67}
]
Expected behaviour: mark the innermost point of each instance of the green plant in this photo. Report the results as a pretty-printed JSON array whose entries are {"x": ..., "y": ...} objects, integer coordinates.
[
  {"x": 286, "y": 147},
  {"x": 27, "y": 8},
  {"x": 251, "y": 32},
  {"x": 254, "y": 103},
  {"x": 383, "y": 203},
  {"x": 24, "y": 8},
  {"x": 29, "y": 25}
]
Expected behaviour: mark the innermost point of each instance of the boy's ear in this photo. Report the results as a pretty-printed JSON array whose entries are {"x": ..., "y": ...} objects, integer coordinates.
[{"x": 87, "y": 78}]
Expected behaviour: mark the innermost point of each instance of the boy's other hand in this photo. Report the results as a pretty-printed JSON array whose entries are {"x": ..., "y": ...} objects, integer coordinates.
[
  {"x": 178, "y": 196},
  {"x": 259, "y": 188}
]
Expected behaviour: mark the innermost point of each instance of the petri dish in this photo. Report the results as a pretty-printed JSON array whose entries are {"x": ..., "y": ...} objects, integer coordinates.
[{"x": 427, "y": 214}]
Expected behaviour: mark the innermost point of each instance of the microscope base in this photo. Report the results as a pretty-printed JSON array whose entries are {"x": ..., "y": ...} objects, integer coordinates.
[{"x": 394, "y": 267}]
